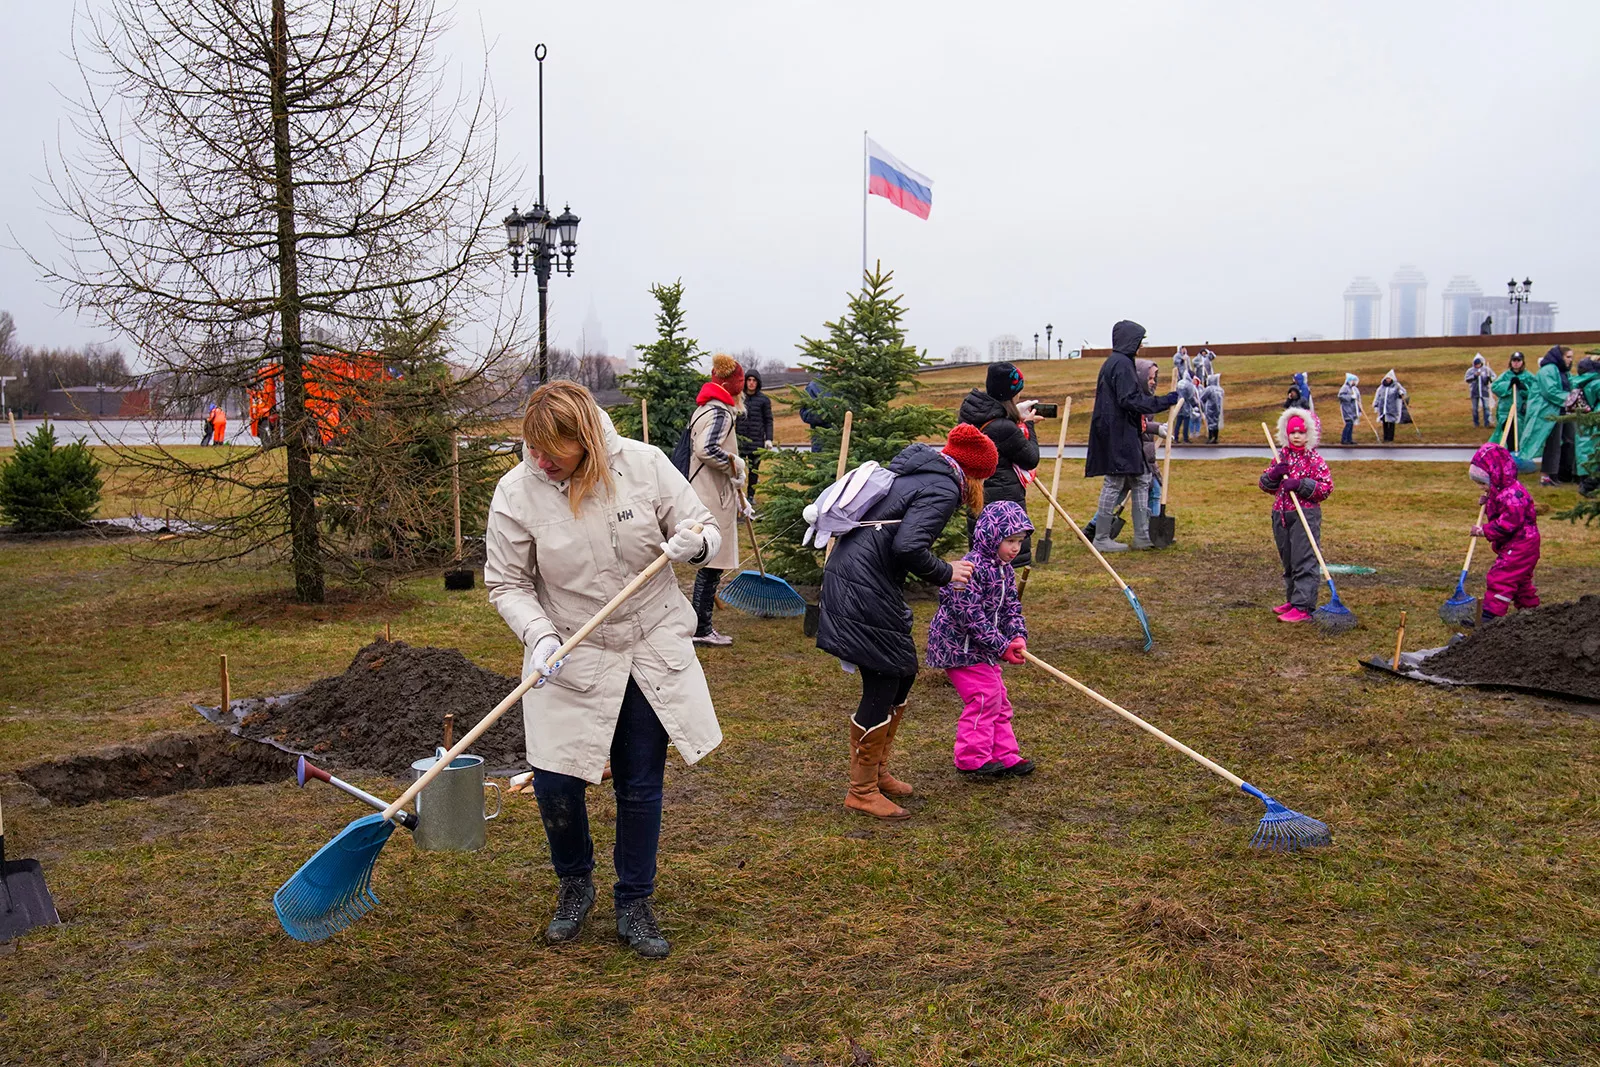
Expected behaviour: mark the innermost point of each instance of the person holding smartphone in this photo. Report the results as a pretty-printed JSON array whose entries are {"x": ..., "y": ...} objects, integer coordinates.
[{"x": 1010, "y": 425}]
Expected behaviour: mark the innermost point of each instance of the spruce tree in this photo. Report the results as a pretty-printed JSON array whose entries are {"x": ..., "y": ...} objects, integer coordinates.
[
  {"x": 668, "y": 377},
  {"x": 863, "y": 365}
]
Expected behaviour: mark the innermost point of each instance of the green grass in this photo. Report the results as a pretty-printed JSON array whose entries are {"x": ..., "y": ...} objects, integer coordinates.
[
  {"x": 1105, "y": 910},
  {"x": 1255, "y": 388}
]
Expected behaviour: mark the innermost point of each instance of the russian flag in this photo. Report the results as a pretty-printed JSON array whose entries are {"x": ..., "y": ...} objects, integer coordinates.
[{"x": 899, "y": 184}]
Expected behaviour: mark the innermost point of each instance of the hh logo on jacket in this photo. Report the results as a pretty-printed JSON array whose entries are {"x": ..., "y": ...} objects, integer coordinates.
[{"x": 624, "y": 516}]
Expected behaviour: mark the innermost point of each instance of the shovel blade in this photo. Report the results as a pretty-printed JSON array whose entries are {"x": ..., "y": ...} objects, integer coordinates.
[
  {"x": 812, "y": 620},
  {"x": 27, "y": 897},
  {"x": 1041, "y": 551},
  {"x": 1163, "y": 529}
]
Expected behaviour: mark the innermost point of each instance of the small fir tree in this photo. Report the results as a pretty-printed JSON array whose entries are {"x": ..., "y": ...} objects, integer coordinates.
[
  {"x": 863, "y": 365},
  {"x": 668, "y": 377},
  {"x": 45, "y": 488}
]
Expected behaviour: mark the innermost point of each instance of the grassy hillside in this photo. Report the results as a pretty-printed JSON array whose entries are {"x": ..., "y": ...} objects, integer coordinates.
[{"x": 1255, "y": 386}]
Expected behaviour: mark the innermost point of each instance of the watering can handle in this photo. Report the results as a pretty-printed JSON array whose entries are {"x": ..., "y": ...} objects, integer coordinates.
[{"x": 528, "y": 683}]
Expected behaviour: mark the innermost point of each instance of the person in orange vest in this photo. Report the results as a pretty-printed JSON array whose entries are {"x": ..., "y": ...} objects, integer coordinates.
[{"x": 219, "y": 425}]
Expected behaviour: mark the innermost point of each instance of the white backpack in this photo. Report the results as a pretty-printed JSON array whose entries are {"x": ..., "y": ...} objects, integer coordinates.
[{"x": 840, "y": 507}]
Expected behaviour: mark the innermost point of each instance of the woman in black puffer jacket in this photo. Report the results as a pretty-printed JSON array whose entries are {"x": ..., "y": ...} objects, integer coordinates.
[
  {"x": 865, "y": 620},
  {"x": 993, "y": 410}
]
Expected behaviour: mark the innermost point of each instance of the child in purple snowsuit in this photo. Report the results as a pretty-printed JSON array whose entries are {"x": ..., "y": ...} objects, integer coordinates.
[
  {"x": 974, "y": 629},
  {"x": 1511, "y": 525}
]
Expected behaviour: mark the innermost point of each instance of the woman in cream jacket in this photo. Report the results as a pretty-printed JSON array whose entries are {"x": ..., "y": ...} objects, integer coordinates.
[{"x": 582, "y": 514}]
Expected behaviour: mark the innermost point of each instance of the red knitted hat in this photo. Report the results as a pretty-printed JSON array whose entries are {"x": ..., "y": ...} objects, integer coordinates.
[{"x": 972, "y": 450}]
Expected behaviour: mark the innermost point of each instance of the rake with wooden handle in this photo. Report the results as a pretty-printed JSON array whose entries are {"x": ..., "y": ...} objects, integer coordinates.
[
  {"x": 1280, "y": 828},
  {"x": 1461, "y": 607},
  {"x": 334, "y": 887},
  {"x": 1133, "y": 598},
  {"x": 1041, "y": 554}
]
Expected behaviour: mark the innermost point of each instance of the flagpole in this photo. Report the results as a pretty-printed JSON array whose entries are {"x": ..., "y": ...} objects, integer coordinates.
[{"x": 866, "y": 182}]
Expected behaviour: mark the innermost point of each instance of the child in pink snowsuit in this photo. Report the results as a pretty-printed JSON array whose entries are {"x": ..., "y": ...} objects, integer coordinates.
[
  {"x": 1512, "y": 528},
  {"x": 974, "y": 629},
  {"x": 1301, "y": 471}
]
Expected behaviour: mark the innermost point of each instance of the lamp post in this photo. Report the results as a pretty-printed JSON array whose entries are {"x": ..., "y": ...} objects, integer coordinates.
[
  {"x": 1061, "y": 344},
  {"x": 1518, "y": 295},
  {"x": 538, "y": 241},
  {"x": 1035, "y": 346}
]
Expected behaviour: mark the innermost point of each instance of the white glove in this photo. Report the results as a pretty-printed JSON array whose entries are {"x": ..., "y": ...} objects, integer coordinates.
[
  {"x": 768, "y": 445},
  {"x": 543, "y": 649},
  {"x": 747, "y": 509},
  {"x": 1026, "y": 408},
  {"x": 740, "y": 471},
  {"x": 687, "y": 546}
]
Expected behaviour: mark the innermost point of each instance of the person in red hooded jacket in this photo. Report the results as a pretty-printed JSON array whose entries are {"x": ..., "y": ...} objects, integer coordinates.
[{"x": 1511, "y": 526}]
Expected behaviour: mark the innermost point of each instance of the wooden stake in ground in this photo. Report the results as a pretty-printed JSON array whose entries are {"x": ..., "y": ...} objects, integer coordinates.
[
  {"x": 386, "y": 636},
  {"x": 1042, "y": 553},
  {"x": 844, "y": 459},
  {"x": 644, "y": 418},
  {"x": 455, "y": 488},
  {"x": 226, "y": 701},
  {"x": 1399, "y": 641}
]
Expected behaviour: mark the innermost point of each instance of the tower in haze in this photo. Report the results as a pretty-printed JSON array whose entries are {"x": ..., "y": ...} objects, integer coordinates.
[
  {"x": 1408, "y": 312},
  {"x": 1361, "y": 300},
  {"x": 1458, "y": 318}
]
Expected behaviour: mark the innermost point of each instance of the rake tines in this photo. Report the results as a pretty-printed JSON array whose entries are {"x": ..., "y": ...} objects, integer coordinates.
[
  {"x": 1462, "y": 608},
  {"x": 1284, "y": 829},
  {"x": 334, "y": 887},
  {"x": 1333, "y": 617}
]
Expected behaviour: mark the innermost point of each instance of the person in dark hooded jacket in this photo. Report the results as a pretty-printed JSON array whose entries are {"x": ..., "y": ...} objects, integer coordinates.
[
  {"x": 994, "y": 410},
  {"x": 754, "y": 428},
  {"x": 1116, "y": 450},
  {"x": 864, "y": 618}
]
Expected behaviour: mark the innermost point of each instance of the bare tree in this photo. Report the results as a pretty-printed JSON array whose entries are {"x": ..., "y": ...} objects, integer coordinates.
[{"x": 262, "y": 181}]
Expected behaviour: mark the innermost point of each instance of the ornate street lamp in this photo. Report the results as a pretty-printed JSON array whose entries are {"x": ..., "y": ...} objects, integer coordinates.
[
  {"x": 1518, "y": 295},
  {"x": 539, "y": 242},
  {"x": 1047, "y": 330}
]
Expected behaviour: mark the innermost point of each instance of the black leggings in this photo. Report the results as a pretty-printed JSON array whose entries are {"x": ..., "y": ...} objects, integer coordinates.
[
  {"x": 704, "y": 598},
  {"x": 880, "y": 694}
]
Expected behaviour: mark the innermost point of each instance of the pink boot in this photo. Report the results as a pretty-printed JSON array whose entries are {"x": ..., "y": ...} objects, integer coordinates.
[
  {"x": 1294, "y": 615},
  {"x": 1281, "y": 608}
]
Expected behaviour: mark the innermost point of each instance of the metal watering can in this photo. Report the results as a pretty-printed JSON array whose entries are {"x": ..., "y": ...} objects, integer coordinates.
[{"x": 452, "y": 809}]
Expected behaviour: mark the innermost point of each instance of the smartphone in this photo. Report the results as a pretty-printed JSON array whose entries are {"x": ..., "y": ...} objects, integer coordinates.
[{"x": 1048, "y": 411}]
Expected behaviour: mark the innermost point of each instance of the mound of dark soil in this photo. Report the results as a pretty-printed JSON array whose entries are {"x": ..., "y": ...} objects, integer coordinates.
[
  {"x": 167, "y": 763},
  {"x": 1553, "y": 647},
  {"x": 387, "y": 709}
]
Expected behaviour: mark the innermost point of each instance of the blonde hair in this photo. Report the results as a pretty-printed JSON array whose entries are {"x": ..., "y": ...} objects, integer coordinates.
[{"x": 560, "y": 415}]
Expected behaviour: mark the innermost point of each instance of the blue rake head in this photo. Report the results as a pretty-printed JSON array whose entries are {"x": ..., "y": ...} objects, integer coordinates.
[
  {"x": 334, "y": 888},
  {"x": 1333, "y": 616},
  {"x": 1462, "y": 608},
  {"x": 1284, "y": 830},
  {"x": 765, "y": 596},
  {"x": 1144, "y": 620}
]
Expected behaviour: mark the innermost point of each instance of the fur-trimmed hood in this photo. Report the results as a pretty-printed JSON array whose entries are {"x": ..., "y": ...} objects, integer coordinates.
[{"x": 1313, "y": 424}]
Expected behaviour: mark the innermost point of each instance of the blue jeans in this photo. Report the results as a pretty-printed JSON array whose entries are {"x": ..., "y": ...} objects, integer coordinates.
[
  {"x": 638, "y": 762},
  {"x": 1347, "y": 437},
  {"x": 1481, "y": 403}
]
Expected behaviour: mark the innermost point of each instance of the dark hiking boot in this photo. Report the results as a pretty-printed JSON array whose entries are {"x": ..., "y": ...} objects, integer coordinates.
[
  {"x": 993, "y": 769},
  {"x": 636, "y": 927},
  {"x": 573, "y": 900},
  {"x": 1019, "y": 769}
]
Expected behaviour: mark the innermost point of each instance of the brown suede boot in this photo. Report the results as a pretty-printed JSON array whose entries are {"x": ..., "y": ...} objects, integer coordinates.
[
  {"x": 888, "y": 784},
  {"x": 866, "y": 754}
]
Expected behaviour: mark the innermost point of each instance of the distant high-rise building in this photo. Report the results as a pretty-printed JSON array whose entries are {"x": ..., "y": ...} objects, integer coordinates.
[
  {"x": 1458, "y": 321},
  {"x": 1005, "y": 349},
  {"x": 1408, "y": 310},
  {"x": 1538, "y": 316},
  {"x": 965, "y": 354},
  {"x": 1361, "y": 302},
  {"x": 592, "y": 337}
]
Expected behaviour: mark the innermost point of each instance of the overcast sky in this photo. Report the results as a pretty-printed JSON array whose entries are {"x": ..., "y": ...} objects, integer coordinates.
[{"x": 1217, "y": 171}]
